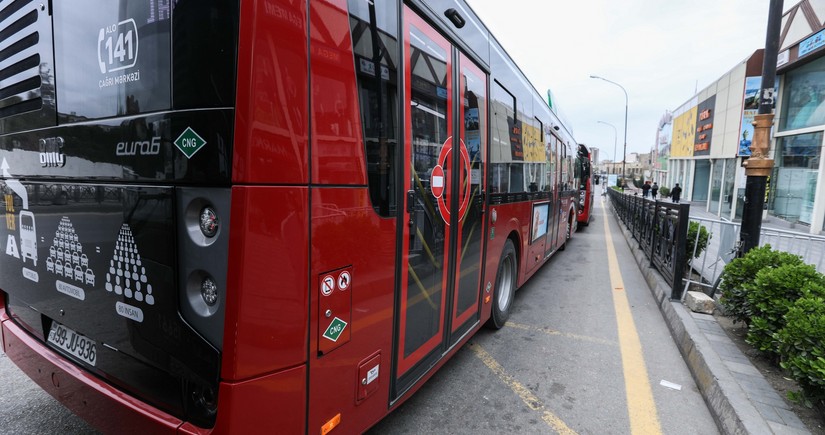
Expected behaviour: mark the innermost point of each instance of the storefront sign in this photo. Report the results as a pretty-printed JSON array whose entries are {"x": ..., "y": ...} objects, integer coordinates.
[
  {"x": 812, "y": 43},
  {"x": 783, "y": 58},
  {"x": 704, "y": 127}
]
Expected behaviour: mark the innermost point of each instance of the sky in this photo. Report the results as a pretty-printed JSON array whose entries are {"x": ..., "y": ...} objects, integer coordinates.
[{"x": 660, "y": 51}]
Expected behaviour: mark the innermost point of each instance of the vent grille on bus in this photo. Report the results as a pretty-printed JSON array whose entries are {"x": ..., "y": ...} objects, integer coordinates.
[{"x": 20, "y": 80}]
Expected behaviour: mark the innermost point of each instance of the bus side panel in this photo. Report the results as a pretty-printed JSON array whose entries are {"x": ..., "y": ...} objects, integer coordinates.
[
  {"x": 347, "y": 235},
  {"x": 266, "y": 311},
  {"x": 102, "y": 405},
  {"x": 272, "y": 116},
  {"x": 507, "y": 223},
  {"x": 272, "y": 404},
  {"x": 337, "y": 142}
]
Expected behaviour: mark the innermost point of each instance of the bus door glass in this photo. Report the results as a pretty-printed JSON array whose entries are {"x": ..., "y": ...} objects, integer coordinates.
[
  {"x": 472, "y": 94},
  {"x": 444, "y": 174},
  {"x": 552, "y": 184}
]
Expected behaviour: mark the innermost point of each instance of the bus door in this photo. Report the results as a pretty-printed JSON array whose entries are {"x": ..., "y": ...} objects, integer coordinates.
[
  {"x": 555, "y": 198},
  {"x": 442, "y": 232}
]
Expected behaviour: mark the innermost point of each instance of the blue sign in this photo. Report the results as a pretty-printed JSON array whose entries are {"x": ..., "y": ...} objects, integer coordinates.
[{"x": 812, "y": 43}]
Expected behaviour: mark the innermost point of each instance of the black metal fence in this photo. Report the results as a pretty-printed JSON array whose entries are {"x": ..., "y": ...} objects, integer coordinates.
[{"x": 661, "y": 229}]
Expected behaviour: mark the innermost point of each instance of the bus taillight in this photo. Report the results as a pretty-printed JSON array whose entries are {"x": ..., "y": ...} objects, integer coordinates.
[{"x": 203, "y": 245}]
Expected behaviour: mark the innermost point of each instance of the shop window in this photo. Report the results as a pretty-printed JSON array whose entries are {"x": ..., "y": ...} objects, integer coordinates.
[
  {"x": 793, "y": 182},
  {"x": 803, "y": 97}
]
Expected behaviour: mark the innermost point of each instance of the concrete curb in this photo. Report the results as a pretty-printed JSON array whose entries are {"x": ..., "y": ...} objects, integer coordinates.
[{"x": 729, "y": 404}]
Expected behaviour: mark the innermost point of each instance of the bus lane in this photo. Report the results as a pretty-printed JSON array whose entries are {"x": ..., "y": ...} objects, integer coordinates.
[
  {"x": 556, "y": 367},
  {"x": 585, "y": 350}
]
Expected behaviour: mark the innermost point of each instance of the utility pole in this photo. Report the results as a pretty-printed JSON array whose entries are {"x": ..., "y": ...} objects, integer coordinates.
[{"x": 758, "y": 167}]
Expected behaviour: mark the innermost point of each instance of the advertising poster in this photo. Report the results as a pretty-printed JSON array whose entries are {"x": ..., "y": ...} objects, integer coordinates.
[
  {"x": 684, "y": 134},
  {"x": 539, "y": 225},
  {"x": 472, "y": 134},
  {"x": 750, "y": 108},
  {"x": 665, "y": 142}
]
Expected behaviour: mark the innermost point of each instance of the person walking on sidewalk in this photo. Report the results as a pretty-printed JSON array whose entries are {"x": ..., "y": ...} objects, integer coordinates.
[
  {"x": 645, "y": 189},
  {"x": 675, "y": 193},
  {"x": 654, "y": 190}
]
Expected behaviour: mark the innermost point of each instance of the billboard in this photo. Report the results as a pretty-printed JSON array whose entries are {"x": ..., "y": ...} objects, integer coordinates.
[{"x": 684, "y": 134}]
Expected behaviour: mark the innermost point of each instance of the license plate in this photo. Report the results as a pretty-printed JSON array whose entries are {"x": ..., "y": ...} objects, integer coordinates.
[{"x": 73, "y": 343}]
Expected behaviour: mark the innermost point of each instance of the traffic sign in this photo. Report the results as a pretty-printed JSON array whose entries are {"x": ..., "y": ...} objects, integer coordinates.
[{"x": 437, "y": 181}]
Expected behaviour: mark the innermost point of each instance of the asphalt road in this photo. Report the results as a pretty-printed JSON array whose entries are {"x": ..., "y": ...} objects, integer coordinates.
[{"x": 559, "y": 366}]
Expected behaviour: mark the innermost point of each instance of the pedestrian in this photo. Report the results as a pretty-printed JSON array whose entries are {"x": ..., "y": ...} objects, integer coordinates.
[
  {"x": 654, "y": 190},
  {"x": 645, "y": 189},
  {"x": 675, "y": 193}
]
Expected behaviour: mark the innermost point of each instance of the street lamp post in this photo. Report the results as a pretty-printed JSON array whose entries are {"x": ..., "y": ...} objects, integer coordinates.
[
  {"x": 624, "y": 152},
  {"x": 614, "y": 141},
  {"x": 758, "y": 166}
]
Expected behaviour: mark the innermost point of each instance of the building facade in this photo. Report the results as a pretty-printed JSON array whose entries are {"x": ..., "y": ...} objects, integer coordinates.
[
  {"x": 704, "y": 141},
  {"x": 797, "y": 188}
]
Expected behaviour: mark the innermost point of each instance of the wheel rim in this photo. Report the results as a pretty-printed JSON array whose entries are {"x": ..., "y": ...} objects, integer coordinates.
[{"x": 506, "y": 283}]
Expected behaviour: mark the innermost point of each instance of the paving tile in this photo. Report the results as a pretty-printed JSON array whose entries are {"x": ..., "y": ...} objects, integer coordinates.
[
  {"x": 790, "y": 418},
  {"x": 768, "y": 412},
  {"x": 769, "y": 399},
  {"x": 747, "y": 369},
  {"x": 781, "y": 429}
]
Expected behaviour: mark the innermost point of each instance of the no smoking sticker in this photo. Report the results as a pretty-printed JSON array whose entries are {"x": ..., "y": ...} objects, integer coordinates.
[{"x": 344, "y": 280}]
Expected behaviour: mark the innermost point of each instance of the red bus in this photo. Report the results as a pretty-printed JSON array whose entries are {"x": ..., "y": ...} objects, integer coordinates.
[
  {"x": 276, "y": 217},
  {"x": 584, "y": 174}
]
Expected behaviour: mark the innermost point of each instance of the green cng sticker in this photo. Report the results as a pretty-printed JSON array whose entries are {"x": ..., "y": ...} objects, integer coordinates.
[
  {"x": 189, "y": 142},
  {"x": 335, "y": 329}
]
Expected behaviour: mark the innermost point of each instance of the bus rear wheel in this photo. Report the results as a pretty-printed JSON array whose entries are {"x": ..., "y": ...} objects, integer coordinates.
[
  {"x": 568, "y": 231},
  {"x": 505, "y": 286}
]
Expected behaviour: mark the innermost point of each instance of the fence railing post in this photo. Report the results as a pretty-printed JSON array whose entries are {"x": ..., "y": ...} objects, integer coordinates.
[
  {"x": 679, "y": 257},
  {"x": 654, "y": 220}
]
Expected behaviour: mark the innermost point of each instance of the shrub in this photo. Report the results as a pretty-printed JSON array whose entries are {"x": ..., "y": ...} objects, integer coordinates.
[
  {"x": 771, "y": 294},
  {"x": 697, "y": 236},
  {"x": 742, "y": 271},
  {"x": 802, "y": 344},
  {"x": 664, "y": 192}
]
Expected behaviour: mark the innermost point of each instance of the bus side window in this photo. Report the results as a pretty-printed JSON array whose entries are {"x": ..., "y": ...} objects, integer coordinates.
[
  {"x": 376, "y": 42},
  {"x": 501, "y": 152}
]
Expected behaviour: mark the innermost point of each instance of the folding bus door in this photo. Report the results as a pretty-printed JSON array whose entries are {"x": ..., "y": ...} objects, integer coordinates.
[{"x": 442, "y": 240}]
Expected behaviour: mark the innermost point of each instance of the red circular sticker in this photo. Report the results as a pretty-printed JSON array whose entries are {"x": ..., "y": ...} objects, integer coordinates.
[{"x": 437, "y": 181}]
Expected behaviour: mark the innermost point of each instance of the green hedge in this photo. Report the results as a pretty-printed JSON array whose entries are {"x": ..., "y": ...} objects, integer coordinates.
[
  {"x": 770, "y": 295},
  {"x": 802, "y": 344},
  {"x": 743, "y": 270},
  {"x": 782, "y": 301}
]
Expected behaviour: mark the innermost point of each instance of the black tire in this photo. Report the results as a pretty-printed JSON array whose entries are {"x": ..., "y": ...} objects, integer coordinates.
[
  {"x": 568, "y": 232},
  {"x": 505, "y": 289}
]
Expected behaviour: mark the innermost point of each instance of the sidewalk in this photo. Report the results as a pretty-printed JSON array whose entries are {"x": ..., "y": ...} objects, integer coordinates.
[{"x": 738, "y": 396}]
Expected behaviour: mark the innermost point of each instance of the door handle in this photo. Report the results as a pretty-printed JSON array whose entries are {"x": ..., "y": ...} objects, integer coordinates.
[{"x": 410, "y": 201}]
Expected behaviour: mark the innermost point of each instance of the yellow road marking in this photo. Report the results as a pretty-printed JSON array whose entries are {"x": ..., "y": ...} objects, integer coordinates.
[
  {"x": 640, "y": 405},
  {"x": 549, "y": 331},
  {"x": 523, "y": 392}
]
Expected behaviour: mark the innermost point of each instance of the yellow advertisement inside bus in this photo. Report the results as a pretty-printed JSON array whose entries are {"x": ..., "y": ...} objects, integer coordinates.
[{"x": 533, "y": 145}]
